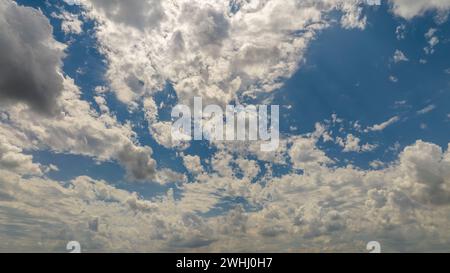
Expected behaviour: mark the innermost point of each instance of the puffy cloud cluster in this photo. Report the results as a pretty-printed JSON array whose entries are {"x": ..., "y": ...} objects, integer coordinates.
[
  {"x": 426, "y": 173},
  {"x": 305, "y": 155},
  {"x": 404, "y": 205},
  {"x": 30, "y": 65},
  {"x": 12, "y": 158},
  {"x": 432, "y": 39},
  {"x": 218, "y": 50},
  {"x": 193, "y": 164},
  {"x": 134, "y": 13},
  {"x": 70, "y": 23},
  {"x": 353, "y": 144},
  {"x": 409, "y": 9},
  {"x": 79, "y": 130}
]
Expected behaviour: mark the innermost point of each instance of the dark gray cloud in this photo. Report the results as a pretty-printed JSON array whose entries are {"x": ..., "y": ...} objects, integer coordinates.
[{"x": 30, "y": 59}]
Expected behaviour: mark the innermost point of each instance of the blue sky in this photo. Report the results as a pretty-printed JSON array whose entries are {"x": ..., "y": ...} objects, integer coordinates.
[
  {"x": 340, "y": 76},
  {"x": 351, "y": 78}
]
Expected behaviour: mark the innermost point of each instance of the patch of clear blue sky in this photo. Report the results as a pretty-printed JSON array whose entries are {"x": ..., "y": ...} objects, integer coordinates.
[{"x": 346, "y": 72}]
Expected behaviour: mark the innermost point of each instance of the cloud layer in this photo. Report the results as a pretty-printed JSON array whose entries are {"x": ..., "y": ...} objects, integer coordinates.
[{"x": 233, "y": 200}]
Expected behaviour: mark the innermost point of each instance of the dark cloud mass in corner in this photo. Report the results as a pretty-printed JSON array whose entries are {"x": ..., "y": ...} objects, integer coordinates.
[{"x": 30, "y": 59}]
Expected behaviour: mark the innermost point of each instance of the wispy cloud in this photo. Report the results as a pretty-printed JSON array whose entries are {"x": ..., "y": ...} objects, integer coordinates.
[
  {"x": 427, "y": 109},
  {"x": 384, "y": 125}
]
